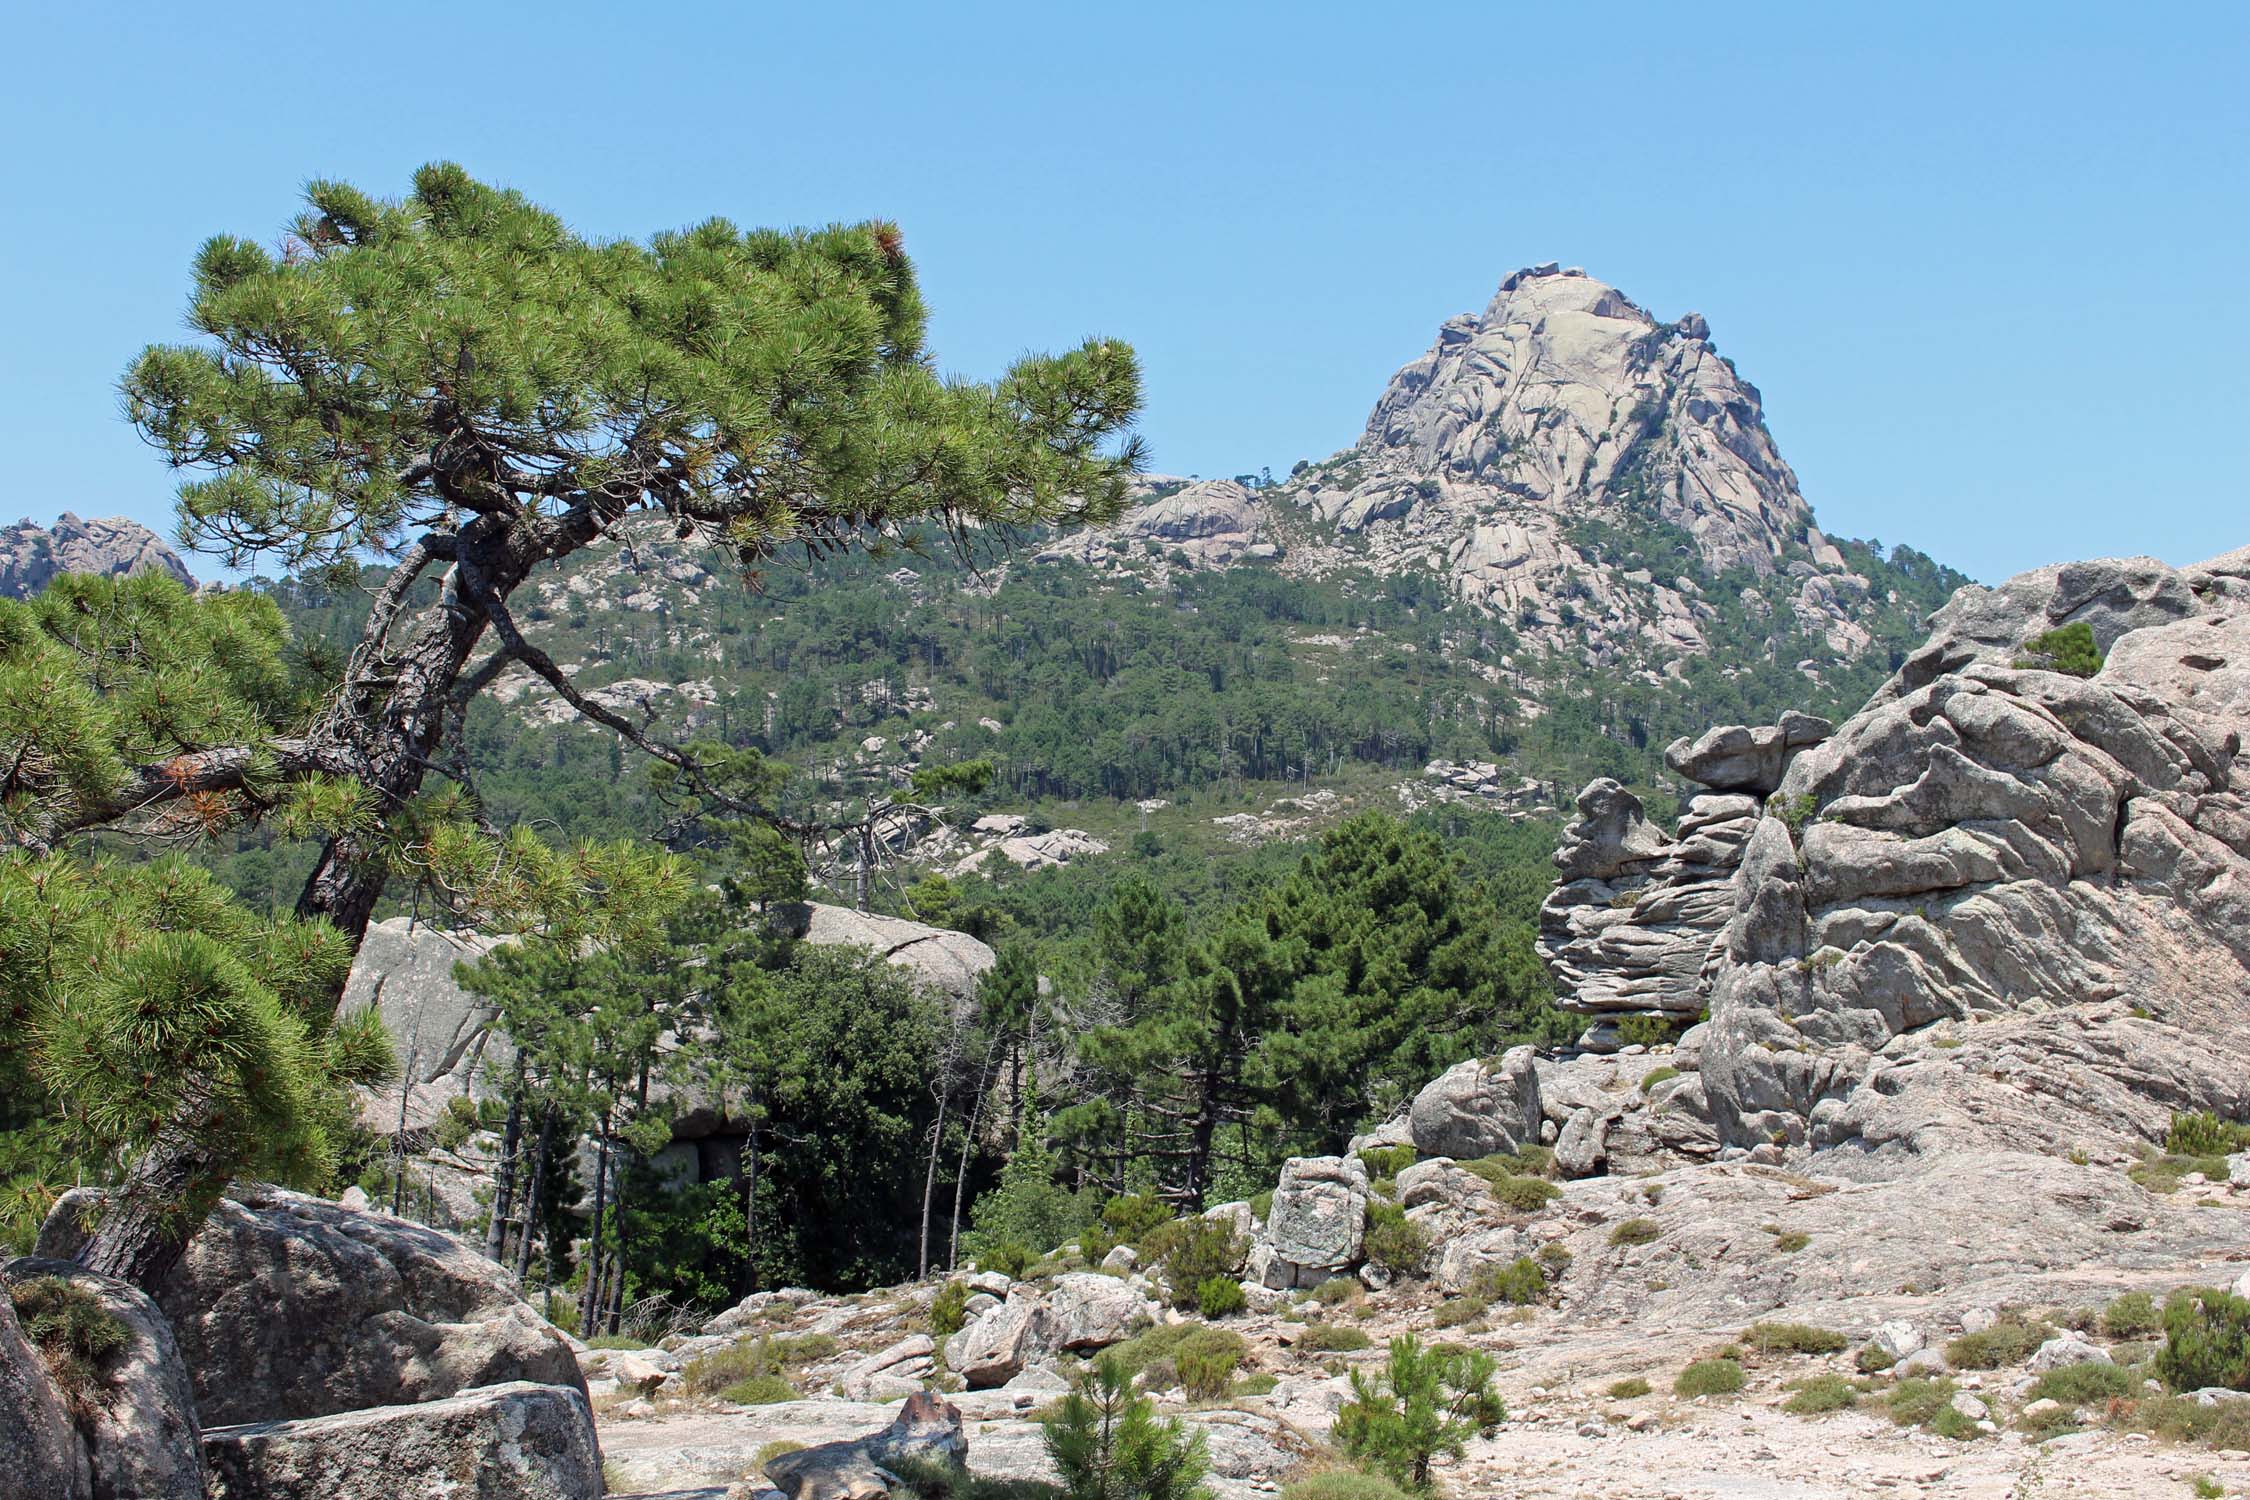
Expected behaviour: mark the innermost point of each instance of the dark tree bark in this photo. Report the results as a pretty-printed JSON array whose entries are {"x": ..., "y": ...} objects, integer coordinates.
[{"x": 504, "y": 1179}]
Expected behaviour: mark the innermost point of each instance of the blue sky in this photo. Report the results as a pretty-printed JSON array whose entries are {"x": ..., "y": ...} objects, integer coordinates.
[{"x": 1986, "y": 262}]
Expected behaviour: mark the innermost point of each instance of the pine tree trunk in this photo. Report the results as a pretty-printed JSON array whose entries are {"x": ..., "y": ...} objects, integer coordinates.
[
  {"x": 929, "y": 1187},
  {"x": 532, "y": 1197},
  {"x": 504, "y": 1178},
  {"x": 146, "y": 1222},
  {"x": 587, "y": 1299}
]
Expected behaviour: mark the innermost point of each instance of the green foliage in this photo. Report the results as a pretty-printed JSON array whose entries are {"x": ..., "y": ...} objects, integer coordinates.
[
  {"x": 1522, "y": 1282},
  {"x": 1336, "y": 1291},
  {"x": 2201, "y": 1134},
  {"x": 2008, "y": 1341},
  {"x": 1342, "y": 1484},
  {"x": 2068, "y": 649},
  {"x": 1647, "y": 1031},
  {"x": 1156, "y": 1352},
  {"x": 1333, "y": 1338},
  {"x": 1206, "y": 1369},
  {"x": 1632, "y": 1387},
  {"x": 925, "y": 1480},
  {"x": 1387, "y": 1161},
  {"x": 1106, "y": 1443},
  {"x": 1391, "y": 1242},
  {"x": 949, "y": 1310},
  {"x": 1188, "y": 1252},
  {"x": 1821, "y": 1394},
  {"x": 2206, "y": 1341},
  {"x": 1793, "y": 1338},
  {"x": 139, "y": 1003},
  {"x": 759, "y": 1390},
  {"x": 2094, "y": 1380},
  {"x": 2132, "y": 1315},
  {"x": 77, "y": 1336},
  {"x": 1635, "y": 1232},
  {"x": 1709, "y": 1377},
  {"x": 1219, "y": 1297},
  {"x": 1790, "y": 1241},
  {"x": 1655, "y": 1076},
  {"x": 1424, "y": 1403},
  {"x": 1917, "y": 1400}
]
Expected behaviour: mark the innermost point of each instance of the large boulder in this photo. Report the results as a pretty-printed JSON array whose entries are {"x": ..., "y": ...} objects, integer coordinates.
[
  {"x": 288, "y": 1306},
  {"x": 1092, "y": 1311},
  {"x": 1477, "y": 1108},
  {"x": 1744, "y": 757},
  {"x": 997, "y": 1344},
  {"x": 136, "y": 1419},
  {"x": 39, "y": 1448},
  {"x": 927, "y": 1429},
  {"x": 517, "y": 1441},
  {"x": 939, "y": 957},
  {"x": 1317, "y": 1224}
]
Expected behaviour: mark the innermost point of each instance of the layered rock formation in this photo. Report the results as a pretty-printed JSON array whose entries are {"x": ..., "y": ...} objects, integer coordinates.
[
  {"x": 31, "y": 554},
  {"x": 1204, "y": 523}
]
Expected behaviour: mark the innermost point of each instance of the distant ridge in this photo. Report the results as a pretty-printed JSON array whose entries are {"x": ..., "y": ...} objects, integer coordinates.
[{"x": 31, "y": 554}]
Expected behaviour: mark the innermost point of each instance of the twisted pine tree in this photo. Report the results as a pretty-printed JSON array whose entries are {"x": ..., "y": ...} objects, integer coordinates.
[{"x": 456, "y": 381}]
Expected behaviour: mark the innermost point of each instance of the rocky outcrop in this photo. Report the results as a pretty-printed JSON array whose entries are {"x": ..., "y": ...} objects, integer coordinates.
[
  {"x": 1990, "y": 841},
  {"x": 1636, "y": 922},
  {"x": 1204, "y": 523},
  {"x": 996, "y": 1345},
  {"x": 1317, "y": 1224},
  {"x": 287, "y": 1306},
  {"x": 39, "y": 1448},
  {"x": 1564, "y": 403},
  {"x": 927, "y": 1429},
  {"x": 516, "y": 1441},
  {"x": 134, "y": 1422},
  {"x": 447, "y": 1044},
  {"x": 31, "y": 555},
  {"x": 937, "y": 956},
  {"x": 1476, "y": 1108}
]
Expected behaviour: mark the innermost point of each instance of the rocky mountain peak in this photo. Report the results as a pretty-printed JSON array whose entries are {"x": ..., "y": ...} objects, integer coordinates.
[{"x": 31, "y": 554}]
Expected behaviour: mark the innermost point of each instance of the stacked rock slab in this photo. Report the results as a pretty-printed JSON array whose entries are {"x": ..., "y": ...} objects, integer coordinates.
[
  {"x": 1636, "y": 922},
  {"x": 2063, "y": 862},
  {"x": 1317, "y": 1223}
]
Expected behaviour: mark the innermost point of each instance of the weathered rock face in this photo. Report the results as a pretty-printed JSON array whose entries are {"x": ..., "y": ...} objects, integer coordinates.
[
  {"x": 1093, "y": 1311},
  {"x": 1475, "y": 1109},
  {"x": 287, "y": 1306},
  {"x": 1637, "y": 921},
  {"x": 39, "y": 1449},
  {"x": 1993, "y": 842},
  {"x": 1208, "y": 523},
  {"x": 516, "y": 1441},
  {"x": 927, "y": 1429},
  {"x": 136, "y": 1431},
  {"x": 447, "y": 1044},
  {"x": 31, "y": 555},
  {"x": 1317, "y": 1224},
  {"x": 1563, "y": 402},
  {"x": 996, "y": 1346},
  {"x": 937, "y": 956}
]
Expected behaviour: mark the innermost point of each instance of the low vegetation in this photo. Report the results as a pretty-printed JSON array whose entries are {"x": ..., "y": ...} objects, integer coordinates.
[
  {"x": 1709, "y": 1377},
  {"x": 1635, "y": 1232},
  {"x": 1423, "y": 1404}
]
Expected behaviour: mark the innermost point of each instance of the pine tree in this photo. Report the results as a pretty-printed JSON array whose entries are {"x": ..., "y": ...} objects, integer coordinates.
[
  {"x": 457, "y": 381},
  {"x": 1425, "y": 1402},
  {"x": 1106, "y": 1443}
]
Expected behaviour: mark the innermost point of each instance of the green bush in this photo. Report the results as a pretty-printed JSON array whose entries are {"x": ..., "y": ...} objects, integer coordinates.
[
  {"x": 1792, "y": 1338},
  {"x": 2199, "y": 1133},
  {"x": 1392, "y": 1243},
  {"x": 1635, "y": 1232},
  {"x": 1655, "y": 1076},
  {"x": 1820, "y": 1394},
  {"x": 1333, "y": 1338},
  {"x": 2007, "y": 1342},
  {"x": 2132, "y": 1315},
  {"x": 1189, "y": 1252},
  {"x": 1342, "y": 1484},
  {"x": 1520, "y": 1283},
  {"x": 1647, "y": 1031},
  {"x": 1425, "y": 1402},
  {"x": 1917, "y": 1400},
  {"x": 1011, "y": 1258},
  {"x": 1165, "y": 1346},
  {"x": 926, "y": 1480},
  {"x": 1206, "y": 1368},
  {"x": 1387, "y": 1161},
  {"x": 2075, "y": 1385},
  {"x": 1336, "y": 1291},
  {"x": 2206, "y": 1341},
  {"x": 1455, "y": 1311},
  {"x": 1627, "y": 1389},
  {"x": 1555, "y": 1256},
  {"x": 949, "y": 1310},
  {"x": 1709, "y": 1377},
  {"x": 759, "y": 1390},
  {"x": 1220, "y": 1297},
  {"x": 1526, "y": 1195},
  {"x": 1106, "y": 1443},
  {"x": 2069, "y": 649},
  {"x": 1790, "y": 1241}
]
